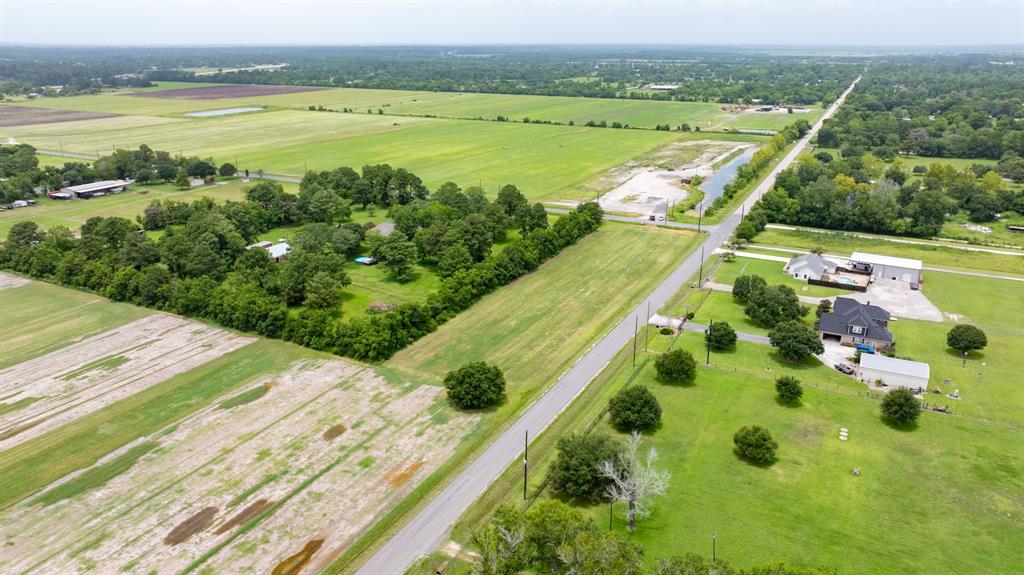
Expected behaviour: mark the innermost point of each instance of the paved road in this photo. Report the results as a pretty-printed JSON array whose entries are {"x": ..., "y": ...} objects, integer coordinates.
[
  {"x": 428, "y": 529},
  {"x": 636, "y": 220}
]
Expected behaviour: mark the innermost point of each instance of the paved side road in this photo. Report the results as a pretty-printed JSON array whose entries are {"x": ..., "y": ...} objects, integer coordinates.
[
  {"x": 752, "y": 338},
  {"x": 428, "y": 529},
  {"x": 614, "y": 218}
]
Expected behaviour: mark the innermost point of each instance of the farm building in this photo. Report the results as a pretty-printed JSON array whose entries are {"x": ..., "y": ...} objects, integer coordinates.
[
  {"x": 895, "y": 372},
  {"x": 887, "y": 267},
  {"x": 277, "y": 251},
  {"x": 809, "y": 266},
  {"x": 96, "y": 188},
  {"x": 851, "y": 323}
]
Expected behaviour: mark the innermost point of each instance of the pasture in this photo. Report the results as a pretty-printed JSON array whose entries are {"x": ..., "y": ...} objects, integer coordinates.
[{"x": 166, "y": 445}]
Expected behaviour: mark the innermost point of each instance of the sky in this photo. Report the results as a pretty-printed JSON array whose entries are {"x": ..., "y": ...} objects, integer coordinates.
[{"x": 687, "y": 22}]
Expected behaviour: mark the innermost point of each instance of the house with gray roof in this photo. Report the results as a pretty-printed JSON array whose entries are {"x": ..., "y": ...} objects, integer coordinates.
[
  {"x": 851, "y": 323},
  {"x": 809, "y": 266}
]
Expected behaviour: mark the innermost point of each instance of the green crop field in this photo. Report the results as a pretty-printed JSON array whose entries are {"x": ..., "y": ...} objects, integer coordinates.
[
  {"x": 73, "y": 213},
  {"x": 640, "y": 113},
  {"x": 534, "y": 328},
  {"x": 40, "y": 318}
]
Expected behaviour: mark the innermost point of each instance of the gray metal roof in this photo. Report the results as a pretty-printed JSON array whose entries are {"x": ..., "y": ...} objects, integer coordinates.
[
  {"x": 894, "y": 365},
  {"x": 847, "y": 312},
  {"x": 813, "y": 262}
]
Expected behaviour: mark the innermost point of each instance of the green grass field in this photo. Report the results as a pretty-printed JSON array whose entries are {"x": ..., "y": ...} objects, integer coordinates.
[
  {"x": 773, "y": 274},
  {"x": 74, "y": 213},
  {"x": 534, "y": 328},
  {"x": 43, "y": 317},
  {"x": 720, "y": 306},
  {"x": 932, "y": 255},
  {"x": 640, "y": 113}
]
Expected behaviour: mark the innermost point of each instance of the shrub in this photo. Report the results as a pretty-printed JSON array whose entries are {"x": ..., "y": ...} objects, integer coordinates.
[
  {"x": 475, "y": 385},
  {"x": 575, "y": 470},
  {"x": 666, "y": 331},
  {"x": 754, "y": 443},
  {"x": 965, "y": 338},
  {"x": 676, "y": 366},
  {"x": 721, "y": 336},
  {"x": 634, "y": 409},
  {"x": 900, "y": 407},
  {"x": 788, "y": 389}
]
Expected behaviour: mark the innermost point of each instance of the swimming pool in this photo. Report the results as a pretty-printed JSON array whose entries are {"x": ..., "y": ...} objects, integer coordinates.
[{"x": 847, "y": 281}]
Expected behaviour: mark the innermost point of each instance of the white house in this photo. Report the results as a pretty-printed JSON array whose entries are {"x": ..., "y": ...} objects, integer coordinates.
[
  {"x": 809, "y": 266},
  {"x": 894, "y": 372},
  {"x": 887, "y": 267}
]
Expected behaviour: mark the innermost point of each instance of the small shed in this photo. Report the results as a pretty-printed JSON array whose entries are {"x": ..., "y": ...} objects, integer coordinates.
[
  {"x": 895, "y": 372},
  {"x": 887, "y": 267}
]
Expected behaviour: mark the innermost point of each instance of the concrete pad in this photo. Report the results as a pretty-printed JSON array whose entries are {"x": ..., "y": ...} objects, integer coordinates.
[{"x": 898, "y": 299}]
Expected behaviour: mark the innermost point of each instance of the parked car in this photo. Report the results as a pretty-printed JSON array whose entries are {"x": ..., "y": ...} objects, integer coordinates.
[
  {"x": 844, "y": 368},
  {"x": 915, "y": 286},
  {"x": 865, "y": 348}
]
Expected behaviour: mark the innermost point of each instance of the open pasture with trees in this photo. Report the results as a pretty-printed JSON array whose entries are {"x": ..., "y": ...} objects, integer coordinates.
[{"x": 215, "y": 463}]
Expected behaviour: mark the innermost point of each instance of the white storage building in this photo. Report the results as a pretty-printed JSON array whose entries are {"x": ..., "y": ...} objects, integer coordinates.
[
  {"x": 887, "y": 267},
  {"x": 894, "y": 372}
]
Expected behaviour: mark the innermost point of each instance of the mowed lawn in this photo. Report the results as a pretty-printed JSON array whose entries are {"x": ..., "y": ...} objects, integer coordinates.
[
  {"x": 535, "y": 328},
  {"x": 773, "y": 273},
  {"x": 951, "y": 479},
  {"x": 73, "y": 213},
  {"x": 640, "y": 113},
  {"x": 544, "y": 161},
  {"x": 38, "y": 318}
]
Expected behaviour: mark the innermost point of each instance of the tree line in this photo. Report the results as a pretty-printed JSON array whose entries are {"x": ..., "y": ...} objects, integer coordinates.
[
  {"x": 200, "y": 266},
  {"x": 864, "y": 193}
]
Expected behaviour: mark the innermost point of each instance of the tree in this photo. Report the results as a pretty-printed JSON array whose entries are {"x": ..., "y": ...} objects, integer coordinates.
[
  {"x": 900, "y": 407},
  {"x": 576, "y": 470},
  {"x": 676, "y": 366},
  {"x": 323, "y": 291},
  {"x": 454, "y": 258},
  {"x": 754, "y": 443},
  {"x": 966, "y": 338},
  {"x": 721, "y": 336},
  {"x": 227, "y": 169},
  {"x": 475, "y": 385},
  {"x": 795, "y": 341},
  {"x": 511, "y": 199},
  {"x": 634, "y": 408},
  {"x": 824, "y": 307},
  {"x": 773, "y": 305},
  {"x": 788, "y": 389},
  {"x": 747, "y": 285},
  {"x": 181, "y": 180},
  {"x": 397, "y": 254},
  {"x": 634, "y": 479}
]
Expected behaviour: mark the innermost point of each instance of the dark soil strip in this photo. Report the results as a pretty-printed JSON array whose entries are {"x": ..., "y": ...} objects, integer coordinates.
[
  {"x": 253, "y": 509},
  {"x": 396, "y": 478},
  {"x": 334, "y": 432},
  {"x": 26, "y": 115},
  {"x": 224, "y": 92},
  {"x": 294, "y": 564},
  {"x": 189, "y": 527}
]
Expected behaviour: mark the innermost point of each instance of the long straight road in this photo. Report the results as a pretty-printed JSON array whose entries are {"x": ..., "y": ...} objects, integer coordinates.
[{"x": 428, "y": 529}]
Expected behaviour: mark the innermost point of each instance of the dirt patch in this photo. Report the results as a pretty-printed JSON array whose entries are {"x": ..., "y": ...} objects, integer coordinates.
[
  {"x": 8, "y": 281},
  {"x": 294, "y": 564},
  {"x": 334, "y": 432},
  {"x": 224, "y": 92},
  {"x": 398, "y": 476},
  {"x": 189, "y": 527},
  {"x": 91, "y": 374},
  {"x": 252, "y": 510},
  {"x": 27, "y": 115}
]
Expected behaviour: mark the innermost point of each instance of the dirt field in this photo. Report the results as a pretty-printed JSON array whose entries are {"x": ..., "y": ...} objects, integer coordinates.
[
  {"x": 282, "y": 483},
  {"x": 26, "y": 115},
  {"x": 224, "y": 92},
  {"x": 66, "y": 384},
  {"x": 8, "y": 281}
]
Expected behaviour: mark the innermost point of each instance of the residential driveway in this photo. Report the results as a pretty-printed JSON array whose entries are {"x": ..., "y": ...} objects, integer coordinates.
[
  {"x": 898, "y": 299},
  {"x": 836, "y": 353}
]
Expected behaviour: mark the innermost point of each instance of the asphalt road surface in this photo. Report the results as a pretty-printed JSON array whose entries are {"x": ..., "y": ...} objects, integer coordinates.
[{"x": 429, "y": 528}]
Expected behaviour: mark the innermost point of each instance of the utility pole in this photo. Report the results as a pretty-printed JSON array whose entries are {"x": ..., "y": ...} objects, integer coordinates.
[
  {"x": 611, "y": 507},
  {"x": 526, "y": 459},
  {"x": 714, "y": 546},
  {"x": 700, "y": 274},
  {"x": 636, "y": 324},
  {"x": 707, "y": 342},
  {"x": 700, "y": 214}
]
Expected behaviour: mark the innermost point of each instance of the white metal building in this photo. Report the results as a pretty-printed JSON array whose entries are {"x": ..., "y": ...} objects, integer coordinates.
[
  {"x": 96, "y": 188},
  {"x": 887, "y": 267},
  {"x": 894, "y": 372}
]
